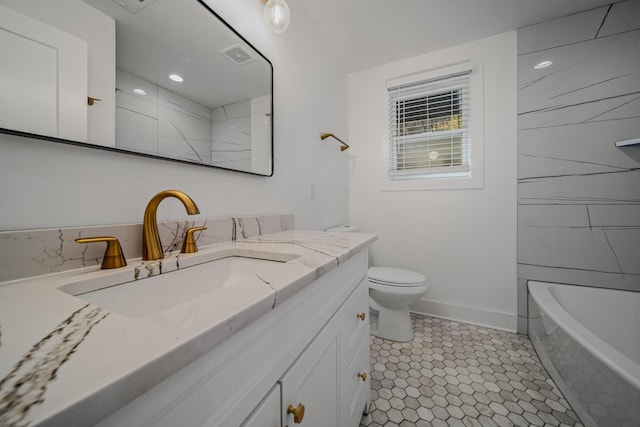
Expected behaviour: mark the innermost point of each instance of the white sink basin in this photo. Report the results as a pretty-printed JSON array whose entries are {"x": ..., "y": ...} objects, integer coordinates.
[{"x": 153, "y": 294}]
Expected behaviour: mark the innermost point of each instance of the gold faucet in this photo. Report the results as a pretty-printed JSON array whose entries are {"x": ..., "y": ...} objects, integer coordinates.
[
  {"x": 113, "y": 256},
  {"x": 189, "y": 245},
  {"x": 151, "y": 245}
]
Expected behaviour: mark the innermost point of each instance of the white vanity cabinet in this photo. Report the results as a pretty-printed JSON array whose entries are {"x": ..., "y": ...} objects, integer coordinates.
[
  {"x": 330, "y": 378},
  {"x": 312, "y": 350}
]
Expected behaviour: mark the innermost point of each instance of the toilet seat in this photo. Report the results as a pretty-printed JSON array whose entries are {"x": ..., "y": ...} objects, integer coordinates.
[{"x": 396, "y": 277}]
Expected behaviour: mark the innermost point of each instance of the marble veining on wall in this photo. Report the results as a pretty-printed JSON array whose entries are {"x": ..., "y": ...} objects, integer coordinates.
[
  {"x": 242, "y": 135},
  {"x": 231, "y": 129},
  {"x": 151, "y": 119},
  {"x": 578, "y": 194},
  {"x": 26, "y": 253}
]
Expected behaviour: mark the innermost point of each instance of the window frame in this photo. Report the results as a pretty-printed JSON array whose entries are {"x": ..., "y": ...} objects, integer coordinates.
[
  {"x": 410, "y": 106},
  {"x": 445, "y": 177}
]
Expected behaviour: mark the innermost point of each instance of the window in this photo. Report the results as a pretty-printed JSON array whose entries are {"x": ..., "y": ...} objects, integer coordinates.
[{"x": 429, "y": 133}]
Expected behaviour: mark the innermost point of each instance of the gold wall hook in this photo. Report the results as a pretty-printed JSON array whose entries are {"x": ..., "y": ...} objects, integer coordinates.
[
  {"x": 113, "y": 256},
  {"x": 344, "y": 145},
  {"x": 91, "y": 100}
]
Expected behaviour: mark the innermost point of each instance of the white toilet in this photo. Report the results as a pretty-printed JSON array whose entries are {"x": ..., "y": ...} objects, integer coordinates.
[{"x": 391, "y": 291}]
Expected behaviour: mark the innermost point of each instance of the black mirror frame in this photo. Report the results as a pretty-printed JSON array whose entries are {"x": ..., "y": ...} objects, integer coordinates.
[{"x": 154, "y": 156}]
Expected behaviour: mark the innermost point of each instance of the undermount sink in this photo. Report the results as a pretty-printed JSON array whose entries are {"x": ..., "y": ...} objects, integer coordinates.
[{"x": 153, "y": 294}]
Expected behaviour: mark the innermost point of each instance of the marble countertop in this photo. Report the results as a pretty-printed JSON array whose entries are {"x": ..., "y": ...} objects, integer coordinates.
[{"x": 60, "y": 355}]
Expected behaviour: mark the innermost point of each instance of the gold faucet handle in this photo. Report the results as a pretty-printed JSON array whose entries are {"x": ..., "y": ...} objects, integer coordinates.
[
  {"x": 189, "y": 243},
  {"x": 113, "y": 256}
]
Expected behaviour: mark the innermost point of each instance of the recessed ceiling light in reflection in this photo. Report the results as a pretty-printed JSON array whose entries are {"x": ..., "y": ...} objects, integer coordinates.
[
  {"x": 543, "y": 64},
  {"x": 139, "y": 91},
  {"x": 176, "y": 78}
]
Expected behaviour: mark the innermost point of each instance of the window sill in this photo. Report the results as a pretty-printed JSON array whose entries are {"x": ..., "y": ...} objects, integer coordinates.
[{"x": 425, "y": 184}]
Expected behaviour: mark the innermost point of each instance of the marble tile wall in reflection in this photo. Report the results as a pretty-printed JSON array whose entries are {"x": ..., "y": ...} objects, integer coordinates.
[
  {"x": 232, "y": 136},
  {"x": 161, "y": 122}
]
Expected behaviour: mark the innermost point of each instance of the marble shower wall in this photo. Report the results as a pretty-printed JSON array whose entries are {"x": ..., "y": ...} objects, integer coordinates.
[
  {"x": 242, "y": 135},
  {"x": 26, "y": 253},
  {"x": 232, "y": 136},
  {"x": 161, "y": 122},
  {"x": 578, "y": 194}
]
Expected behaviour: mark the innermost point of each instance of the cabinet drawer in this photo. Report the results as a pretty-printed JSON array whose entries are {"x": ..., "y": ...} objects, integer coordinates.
[
  {"x": 355, "y": 322},
  {"x": 355, "y": 386}
]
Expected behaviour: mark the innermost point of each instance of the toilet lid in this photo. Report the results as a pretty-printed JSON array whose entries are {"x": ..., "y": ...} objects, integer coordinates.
[{"x": 395, "y": 276}]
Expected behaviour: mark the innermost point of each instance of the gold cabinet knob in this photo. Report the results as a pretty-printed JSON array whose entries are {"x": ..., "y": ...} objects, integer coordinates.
[
  {"x": 189, "y": 243},
  {"x": 361, "y": 316},
  {"x": 362, "y": 375},
  {"x": 298, "y": 412},
  {"x": 113, "y": 256}
]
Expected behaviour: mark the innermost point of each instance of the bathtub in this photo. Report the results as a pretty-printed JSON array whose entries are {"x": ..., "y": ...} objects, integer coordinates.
[{"x": 589, "y": 341}]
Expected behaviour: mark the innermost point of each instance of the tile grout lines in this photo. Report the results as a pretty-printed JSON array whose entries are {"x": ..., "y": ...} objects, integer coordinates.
[{"x": 456, "y": 374}]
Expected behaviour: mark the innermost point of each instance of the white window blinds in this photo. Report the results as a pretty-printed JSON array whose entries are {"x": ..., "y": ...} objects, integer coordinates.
[{"x": 429, "y": 128}]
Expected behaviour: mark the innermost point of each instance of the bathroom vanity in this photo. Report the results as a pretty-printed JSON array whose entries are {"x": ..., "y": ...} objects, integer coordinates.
[{"x": 284, "y": 345}]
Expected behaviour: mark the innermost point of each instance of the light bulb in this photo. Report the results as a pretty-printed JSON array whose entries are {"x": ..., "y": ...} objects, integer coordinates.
[{"x": 277, "y": 15}]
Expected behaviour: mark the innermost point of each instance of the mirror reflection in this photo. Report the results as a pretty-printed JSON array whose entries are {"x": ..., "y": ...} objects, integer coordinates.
[{"x": 159, "y": 78}]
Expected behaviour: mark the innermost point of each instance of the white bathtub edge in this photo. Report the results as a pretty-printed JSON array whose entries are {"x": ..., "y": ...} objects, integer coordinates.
[
  {"x": 612, "y": 358},
  {"x": 577, "y": 407}
]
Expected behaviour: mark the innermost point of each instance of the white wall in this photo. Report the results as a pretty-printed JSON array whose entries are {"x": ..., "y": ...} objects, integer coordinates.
[
  {"x": 44, "y": 184},
  {"x": 463, "y": 241}
]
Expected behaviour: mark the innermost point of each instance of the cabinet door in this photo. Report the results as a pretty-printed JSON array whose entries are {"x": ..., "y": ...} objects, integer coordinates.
[
  {"x": 267, "y": 414},
  {"x": 312, "y": 381}
]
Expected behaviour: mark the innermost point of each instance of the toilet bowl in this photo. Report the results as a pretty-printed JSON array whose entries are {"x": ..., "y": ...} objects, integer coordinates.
[{"x": 391, "y": 291}]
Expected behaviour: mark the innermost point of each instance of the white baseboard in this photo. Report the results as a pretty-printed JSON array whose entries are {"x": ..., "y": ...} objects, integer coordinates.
[{"x": 476, "y": 316}]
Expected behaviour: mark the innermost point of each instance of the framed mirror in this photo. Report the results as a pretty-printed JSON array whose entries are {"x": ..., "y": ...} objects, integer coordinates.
[{"x": 159, "y": 78}]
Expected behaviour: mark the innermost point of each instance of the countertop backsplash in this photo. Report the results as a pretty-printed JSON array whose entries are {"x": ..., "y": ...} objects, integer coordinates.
[{"x": 27, "y": 253}]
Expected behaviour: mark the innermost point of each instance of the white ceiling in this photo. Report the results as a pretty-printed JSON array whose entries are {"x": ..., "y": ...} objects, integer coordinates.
[
  {"x": 171, "y": 36},
  {"x": 366, "y": 33}
]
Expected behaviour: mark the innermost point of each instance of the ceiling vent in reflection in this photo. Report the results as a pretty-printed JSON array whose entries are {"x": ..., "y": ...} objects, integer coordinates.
[
  {"x": 133, "y": 5},
  {"x": 238, "y": 54}
]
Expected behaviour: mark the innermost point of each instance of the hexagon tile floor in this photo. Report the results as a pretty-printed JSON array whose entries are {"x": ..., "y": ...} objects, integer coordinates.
[{"x": 456, "y": 374}]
